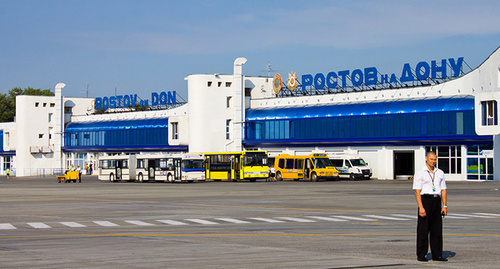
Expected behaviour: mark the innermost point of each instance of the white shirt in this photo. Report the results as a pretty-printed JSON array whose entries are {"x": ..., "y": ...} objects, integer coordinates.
[{"x": 423, "y": 181}]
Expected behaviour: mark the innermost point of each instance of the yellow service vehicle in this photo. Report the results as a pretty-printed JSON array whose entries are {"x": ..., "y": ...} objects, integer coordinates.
[{"x": 68, "y": 177}]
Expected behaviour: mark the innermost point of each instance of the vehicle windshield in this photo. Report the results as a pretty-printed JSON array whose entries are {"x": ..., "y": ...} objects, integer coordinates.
[
  {"x": 358, "y": 162},
  {"x": 255, "y": 159},
  {"x": 321, "y": 162},
  {"x": 192, "y": 164}
]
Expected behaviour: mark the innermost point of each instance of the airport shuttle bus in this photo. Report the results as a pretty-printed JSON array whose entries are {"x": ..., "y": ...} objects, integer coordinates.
[
  {"x": 152, "y": 167},
  {"x": 311, "y": 167},
  {"x": 116, "y": 168},
  {"x": 242, "y": 165}
]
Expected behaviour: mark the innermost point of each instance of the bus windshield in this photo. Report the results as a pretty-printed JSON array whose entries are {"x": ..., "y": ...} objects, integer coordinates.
[
  {"x": 192, "y": 164},
  {"x": 255, "y": 159},
  {"x": 358, "y": 162},
  {"x": 321, "y": 162}
]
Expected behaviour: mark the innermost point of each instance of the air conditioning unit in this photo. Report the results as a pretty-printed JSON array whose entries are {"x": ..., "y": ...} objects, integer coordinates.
[
  {"x": 47, "y": 149},
  {"x": 35, "y": 149}
]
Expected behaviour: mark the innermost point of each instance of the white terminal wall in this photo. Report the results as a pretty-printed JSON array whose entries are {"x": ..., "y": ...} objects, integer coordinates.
[
  {"x": 36, "y": 130},
  {"x": 211, "y": 102}
]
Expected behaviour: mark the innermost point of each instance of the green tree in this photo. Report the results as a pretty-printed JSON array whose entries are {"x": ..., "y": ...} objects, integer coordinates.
[{"x": 8, "y": 101}]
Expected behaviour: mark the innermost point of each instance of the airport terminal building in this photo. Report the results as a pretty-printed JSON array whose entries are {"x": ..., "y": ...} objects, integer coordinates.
[{"x": 390, "y": 120}]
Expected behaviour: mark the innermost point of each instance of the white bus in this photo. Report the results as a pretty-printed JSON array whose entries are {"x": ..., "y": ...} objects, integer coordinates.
[{"x": 153, "y": 167}]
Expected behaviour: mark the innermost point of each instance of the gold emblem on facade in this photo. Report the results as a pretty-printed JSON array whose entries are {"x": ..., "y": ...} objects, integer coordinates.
[
  {"x": 277, "y": 83},
  {"x": 292, "y": 81}
]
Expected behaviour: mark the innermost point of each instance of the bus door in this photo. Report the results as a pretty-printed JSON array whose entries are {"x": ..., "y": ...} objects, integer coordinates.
[
  {"x": 151, "y": 169},
  {"x": 177, "y": 169},
  {"x": 307, "y": 168},
  {"x": 118, "y": 169},
  {"x": 236, "y": 166}
]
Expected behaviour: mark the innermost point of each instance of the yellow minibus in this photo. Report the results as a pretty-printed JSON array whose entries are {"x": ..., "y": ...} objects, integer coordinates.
[{"x": 311, "y": 167}]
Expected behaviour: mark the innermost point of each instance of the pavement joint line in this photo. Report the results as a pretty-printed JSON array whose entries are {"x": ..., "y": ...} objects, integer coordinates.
[
  {"x": 193, "y": 204},
  {"x": 233, "y": 234}
]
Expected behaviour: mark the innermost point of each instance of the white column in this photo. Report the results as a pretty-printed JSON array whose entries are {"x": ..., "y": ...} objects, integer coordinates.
[
  {"x": 239, "y": 103},
  {"x": 496, "y": 157},
  {"x": 59, "y": 126}
]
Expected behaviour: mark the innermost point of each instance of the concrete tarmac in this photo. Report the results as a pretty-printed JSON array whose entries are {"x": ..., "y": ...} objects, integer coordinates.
[{"x": 288, "y": 224}]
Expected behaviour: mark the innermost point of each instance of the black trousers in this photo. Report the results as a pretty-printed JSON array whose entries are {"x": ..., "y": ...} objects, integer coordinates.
[{"x": 430, "y": 226}]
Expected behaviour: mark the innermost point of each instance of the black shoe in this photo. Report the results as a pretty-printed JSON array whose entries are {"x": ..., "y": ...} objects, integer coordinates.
[
  {"x": 440, "y": 259},
  {"x": 422, "y": 259}
]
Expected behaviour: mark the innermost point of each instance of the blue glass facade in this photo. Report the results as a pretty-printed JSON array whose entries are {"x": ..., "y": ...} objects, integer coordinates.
[
  {"x": 1, "y": 140},
  {"x": 119, "y": 135},
  {"x": 448, "y": 120}
]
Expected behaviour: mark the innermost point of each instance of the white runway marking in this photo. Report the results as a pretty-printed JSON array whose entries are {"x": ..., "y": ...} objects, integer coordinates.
[
  {"x": 73, "y": 224},
  {"x": 38, "y": 225},
  {"x": 471, "y": 216},
  {"x": 384, "y": 217},
  {"x": 237, "y": 221},
  {"x": 326, "y": 218},
  {"x": 267, "y": 220},
  {"x": 7, "y": 226},
  {"x": 105, "y": 223},
  {"x": 200, "y": 221},
  {"x": 454, "y": 217},
  {"x": 138, "y": 222},
  {"x": 296, "y": 219},
  {"x": 488, "y": 214},
  {"x": 354, "y": 218},
  {"x": 405, "y": 216},
  {"x": 172, "y": 222}
]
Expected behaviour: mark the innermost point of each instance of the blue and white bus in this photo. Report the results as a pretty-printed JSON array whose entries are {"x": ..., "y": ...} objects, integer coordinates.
[{"x": 153, "y": 167}]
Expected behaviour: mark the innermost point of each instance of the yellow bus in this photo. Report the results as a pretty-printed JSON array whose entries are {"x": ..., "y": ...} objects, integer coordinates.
[
  {"x": 314, "y": 167},
  {"x": 242, "y": 165}
]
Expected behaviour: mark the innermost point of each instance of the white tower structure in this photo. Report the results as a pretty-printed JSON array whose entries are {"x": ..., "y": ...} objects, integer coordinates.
[{"x": 239, "y": 104}]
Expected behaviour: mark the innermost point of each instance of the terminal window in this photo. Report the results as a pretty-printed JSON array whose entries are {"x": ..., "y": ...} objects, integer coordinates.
[
  {"x": 489, "y": 113},
  {"x": 228, "y": 133},
  {"x": 175, "y": 130}
]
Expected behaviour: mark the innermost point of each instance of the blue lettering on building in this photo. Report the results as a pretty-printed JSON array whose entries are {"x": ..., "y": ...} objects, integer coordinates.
[
  {"x": 124, "y": 101},
  {"x": 370, "y": 76}
]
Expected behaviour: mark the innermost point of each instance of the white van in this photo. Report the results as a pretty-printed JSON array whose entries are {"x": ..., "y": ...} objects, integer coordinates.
[{"x": 351, "y": 167}]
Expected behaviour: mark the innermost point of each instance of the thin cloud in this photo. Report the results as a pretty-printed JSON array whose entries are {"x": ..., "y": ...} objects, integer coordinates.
[{"x": 355, "y": 25}]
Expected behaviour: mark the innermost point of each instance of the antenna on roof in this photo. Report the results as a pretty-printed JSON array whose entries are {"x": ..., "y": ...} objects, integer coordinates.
[{"x": 268, "y": 68}]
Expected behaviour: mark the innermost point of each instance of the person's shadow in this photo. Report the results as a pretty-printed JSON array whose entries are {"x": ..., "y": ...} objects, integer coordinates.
[{"x": 446, "y": 255}]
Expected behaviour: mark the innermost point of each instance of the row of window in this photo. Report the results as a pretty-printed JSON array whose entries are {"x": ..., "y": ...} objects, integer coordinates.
[
  {"x": 37, "y": 104},
  {"x": 374, "y": 126},
  {"x": 134, "y": 137},
  {"x": 219, "y": 84}
]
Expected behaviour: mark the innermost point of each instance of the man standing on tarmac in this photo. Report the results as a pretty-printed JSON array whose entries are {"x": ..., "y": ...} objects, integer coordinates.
[{"x": 430, "y": 190}]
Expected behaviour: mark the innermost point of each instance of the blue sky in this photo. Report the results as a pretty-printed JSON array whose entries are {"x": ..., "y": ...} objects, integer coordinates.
[{"x": 151, "y": 46}]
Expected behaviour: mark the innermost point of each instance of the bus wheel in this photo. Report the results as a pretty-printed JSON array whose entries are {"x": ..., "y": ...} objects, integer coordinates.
[
  {"x": 140, "y": 177},
  {"x": 170, "y": 178},
  {"x": 111, "y": 177},
  {"x": 278, "y": 176},
  {"x": 314, "y": 177}
]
